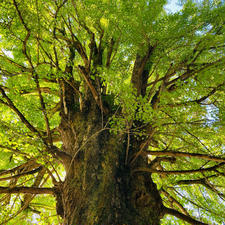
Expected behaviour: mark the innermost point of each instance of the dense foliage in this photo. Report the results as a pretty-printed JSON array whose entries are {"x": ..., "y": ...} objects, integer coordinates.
[{"x": 181, "y": 98}]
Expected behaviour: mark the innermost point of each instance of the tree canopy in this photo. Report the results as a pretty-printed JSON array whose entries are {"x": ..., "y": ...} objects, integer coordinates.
[{"x": 158, "y": 76}]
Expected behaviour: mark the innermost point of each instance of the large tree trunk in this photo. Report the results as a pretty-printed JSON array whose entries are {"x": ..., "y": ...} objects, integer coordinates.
[{"x": 99, "y": 188}]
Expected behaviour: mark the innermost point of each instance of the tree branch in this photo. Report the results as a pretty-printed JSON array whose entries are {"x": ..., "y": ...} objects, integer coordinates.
[
  {"x": 190, "y": 73},
  {"x": 203, "y": 181},
  {"x": 22, "y": 174},
  {"x": 185, "y": 154},
  {"x": 51, "y": 149},
  {"x": 156, "y": 162},
  {"x": 24, "y": 49},
  {"x": 27, "y": 190},
  {"x": 15, "y": 150},
  {"x": 140, "y": 72},
  {"x": 21, "y": 116},
  {"x": 179, "y": 215},
  {"x": 23, "y": 68},
  {"x": 176, "y": 172},
  {"x": 213, "y": 91},
  {"x": 174, "y": 201},
  {"x": 92, "y": 88},
  {"x": 31, "y": 164},
  {"x": 194, "y": 203},
  {"x": 43, "y": 107},
  {"x": 20, "y": 16}
]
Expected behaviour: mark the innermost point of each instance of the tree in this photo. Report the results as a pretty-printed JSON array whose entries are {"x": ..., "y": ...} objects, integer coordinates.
[{"x": 112, "y": 109}]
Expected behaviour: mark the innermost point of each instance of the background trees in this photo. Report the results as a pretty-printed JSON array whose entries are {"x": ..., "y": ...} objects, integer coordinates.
[{"x": 156, "y": 78}]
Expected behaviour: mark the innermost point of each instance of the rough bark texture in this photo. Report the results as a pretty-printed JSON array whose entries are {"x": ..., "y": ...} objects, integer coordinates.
[{"x": 99, "y": 188}]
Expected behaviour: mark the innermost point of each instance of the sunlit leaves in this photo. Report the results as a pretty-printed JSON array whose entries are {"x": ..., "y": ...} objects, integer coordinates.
[{"x": 187, "y": 73}]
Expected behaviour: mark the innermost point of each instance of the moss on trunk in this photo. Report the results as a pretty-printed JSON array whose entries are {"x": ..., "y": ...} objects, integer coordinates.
[{"x": 99, "y": 188}]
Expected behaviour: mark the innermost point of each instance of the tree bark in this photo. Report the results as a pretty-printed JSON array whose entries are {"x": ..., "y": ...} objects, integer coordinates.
[{"x": 99, "y": 188}]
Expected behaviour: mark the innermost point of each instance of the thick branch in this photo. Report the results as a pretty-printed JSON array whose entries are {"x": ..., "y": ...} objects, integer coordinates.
[
  {"x": 174, "y": 202},
  {"x": 92, "y": 88},
  {"x": 4, "y": 103},
  {"x": 27, "y": 190},
  {"x": 175, "y": 172},
  {"x": 140, "y": 72},
  {"x": 185, "y": 154},
  {"x": 179, "y": 215}
]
